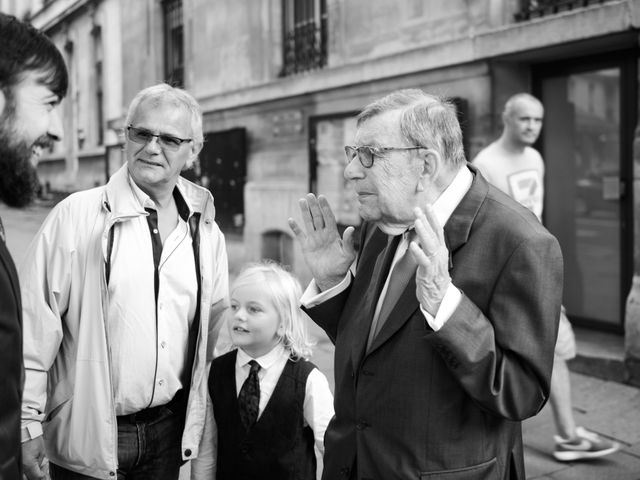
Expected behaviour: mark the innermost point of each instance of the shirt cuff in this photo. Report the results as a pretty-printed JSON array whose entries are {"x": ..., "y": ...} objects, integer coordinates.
[
  {"x": 450, "y": 302},
  {"x": 30, "y": 431},
  {"x": 312, "y": 296}
]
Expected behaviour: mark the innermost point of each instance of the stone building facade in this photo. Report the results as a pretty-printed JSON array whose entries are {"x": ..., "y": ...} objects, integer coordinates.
[{"x": 280, "y": 82}]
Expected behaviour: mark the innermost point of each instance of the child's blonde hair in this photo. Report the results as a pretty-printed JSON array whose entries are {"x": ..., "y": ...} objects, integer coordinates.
[{"x": 285, "y": 293}]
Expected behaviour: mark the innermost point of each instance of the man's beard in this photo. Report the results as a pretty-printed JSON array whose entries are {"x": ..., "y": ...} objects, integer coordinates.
[{"x": 18, "y": 177}]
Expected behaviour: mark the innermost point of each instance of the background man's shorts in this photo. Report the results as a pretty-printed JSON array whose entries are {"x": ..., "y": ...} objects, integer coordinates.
[{"x": 566, "y": 343}]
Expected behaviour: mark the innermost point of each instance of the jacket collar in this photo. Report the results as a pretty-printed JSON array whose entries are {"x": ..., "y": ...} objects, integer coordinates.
[
  {"x": 458, "y": 227},
  {"x": 121, "y": 200}
]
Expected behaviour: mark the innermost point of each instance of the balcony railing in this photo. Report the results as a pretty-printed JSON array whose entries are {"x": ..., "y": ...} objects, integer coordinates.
[
  {"x": 540, "y": 8},
  {"x": 305, "y": 48}
]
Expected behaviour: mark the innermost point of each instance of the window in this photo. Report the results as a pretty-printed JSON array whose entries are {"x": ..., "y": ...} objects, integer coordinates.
[
  {"x": 96, "y": 34},
  {"x": 173, "y": 43},
  {"x": 305, "y": 35},
  {"x": 539, "y": 8}
]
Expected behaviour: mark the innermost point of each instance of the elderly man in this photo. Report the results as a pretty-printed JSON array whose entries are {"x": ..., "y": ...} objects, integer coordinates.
[
  {"x": 125, "y": 287},
  {"x": 438, "y": 361},
  {"x": 33, "y": 80}
]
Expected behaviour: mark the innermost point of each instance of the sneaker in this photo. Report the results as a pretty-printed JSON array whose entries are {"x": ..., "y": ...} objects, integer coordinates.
[{"x": 586, "y": 445}]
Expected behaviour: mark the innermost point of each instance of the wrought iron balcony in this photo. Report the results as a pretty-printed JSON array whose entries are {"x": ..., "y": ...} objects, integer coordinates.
[
  {"x": 540, "y": 8},
  {"x": 305, "y": 48}
]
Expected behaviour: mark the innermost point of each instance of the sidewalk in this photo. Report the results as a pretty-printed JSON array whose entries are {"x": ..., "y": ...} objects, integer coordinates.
[{"x": 607, "y": 407}]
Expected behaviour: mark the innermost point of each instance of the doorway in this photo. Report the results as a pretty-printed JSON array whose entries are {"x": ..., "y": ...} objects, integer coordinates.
[{"x": 590, "y": 115}]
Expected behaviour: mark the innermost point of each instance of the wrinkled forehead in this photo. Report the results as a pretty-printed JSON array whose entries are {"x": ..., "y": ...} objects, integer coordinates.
[
  {"x": 149, "y": 104},
  {"x": 379, "y": 129},
  {"x": 162, "y": 114}
]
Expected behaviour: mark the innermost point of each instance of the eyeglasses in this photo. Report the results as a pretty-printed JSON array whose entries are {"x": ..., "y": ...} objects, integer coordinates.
[
  {"x": 365, "y": 153},
  {"x": 144, "y": 136}
]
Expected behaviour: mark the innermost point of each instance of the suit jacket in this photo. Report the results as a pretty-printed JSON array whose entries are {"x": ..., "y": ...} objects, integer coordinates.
[
  {"x": 447, "y": 404},
  {"x": 10, "y": 368}
]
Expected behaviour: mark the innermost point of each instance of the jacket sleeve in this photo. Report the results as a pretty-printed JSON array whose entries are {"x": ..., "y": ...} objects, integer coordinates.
[
  {"x": 205, "y": 465},
  {"x": 503, "y": 359},
  {"x": 10, "y": 369},
  {"x": 220, "y": 292},
  {"x": 46, "y": 280}
]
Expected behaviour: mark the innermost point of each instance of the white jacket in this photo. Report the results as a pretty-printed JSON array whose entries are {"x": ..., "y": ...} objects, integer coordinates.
[{"x": 68, "y": 384}]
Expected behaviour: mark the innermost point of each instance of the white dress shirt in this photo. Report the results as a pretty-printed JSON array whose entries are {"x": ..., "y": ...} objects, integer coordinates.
[
  {"x": 146, "y": 364},
  {"x": 318, "y": 400},
  {"x": 443, "y": 208}
]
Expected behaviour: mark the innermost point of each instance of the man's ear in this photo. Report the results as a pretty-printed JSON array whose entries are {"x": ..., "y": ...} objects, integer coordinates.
[
  {"x": 431, "y": 162},
  {"x": 430, "y": 166},
  {"x": 196, "y": 148}
]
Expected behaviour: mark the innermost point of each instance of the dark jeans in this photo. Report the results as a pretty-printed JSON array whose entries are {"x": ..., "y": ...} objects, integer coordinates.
[{"x": 147, "y": 450}]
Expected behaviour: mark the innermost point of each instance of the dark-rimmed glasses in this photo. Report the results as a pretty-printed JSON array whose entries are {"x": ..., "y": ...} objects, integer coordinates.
[
  {"x": 144, "y": 136},
  {"x": 365, "y": 153}
]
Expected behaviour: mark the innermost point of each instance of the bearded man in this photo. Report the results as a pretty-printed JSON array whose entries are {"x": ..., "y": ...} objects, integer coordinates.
[{"x": 33, "y": 81}]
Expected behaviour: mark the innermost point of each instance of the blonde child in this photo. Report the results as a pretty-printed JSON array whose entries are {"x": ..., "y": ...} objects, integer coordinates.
[{"x": 267, "y": 426}]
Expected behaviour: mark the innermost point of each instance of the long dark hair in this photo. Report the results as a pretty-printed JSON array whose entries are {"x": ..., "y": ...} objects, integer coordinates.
[{"x": 24, "y": 49}]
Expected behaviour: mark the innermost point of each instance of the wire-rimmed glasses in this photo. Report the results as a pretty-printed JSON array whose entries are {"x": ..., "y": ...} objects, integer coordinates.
[
  {"x": 166, "y": 141},
  {"x": 365, "y": 153}
]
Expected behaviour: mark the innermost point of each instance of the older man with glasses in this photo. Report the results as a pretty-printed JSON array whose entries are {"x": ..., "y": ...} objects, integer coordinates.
[
  {"x": 444, "y": 334},
  {"x": 125, "y": 285}
]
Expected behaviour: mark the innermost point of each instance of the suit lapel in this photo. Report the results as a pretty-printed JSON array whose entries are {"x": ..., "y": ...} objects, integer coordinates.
[
  {"x": 458, "y": 227},
  {"x": 370, "y": 274}
]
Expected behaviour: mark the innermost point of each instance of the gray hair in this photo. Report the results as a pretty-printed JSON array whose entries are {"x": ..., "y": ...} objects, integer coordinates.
[
  {"x": 427, "y": 121},
  {"x": 165, "y": 93}
]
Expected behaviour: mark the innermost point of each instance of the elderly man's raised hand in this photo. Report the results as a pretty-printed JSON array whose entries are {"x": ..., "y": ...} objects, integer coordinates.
[
  {"x": 432, "y": 257},
  {"x": 327, "y": 255}
]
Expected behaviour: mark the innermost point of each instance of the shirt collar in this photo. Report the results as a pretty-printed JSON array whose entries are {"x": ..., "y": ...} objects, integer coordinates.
[
  {"x": 184, "y": 209},
  {"x": 265, "y": 361},
  {"x": 448, "y": 200}
]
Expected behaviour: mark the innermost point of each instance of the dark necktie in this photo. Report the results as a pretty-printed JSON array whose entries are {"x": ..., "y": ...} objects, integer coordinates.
[
  {"x": 400, "y": 275},
  {"x": 249, "y": 397}
]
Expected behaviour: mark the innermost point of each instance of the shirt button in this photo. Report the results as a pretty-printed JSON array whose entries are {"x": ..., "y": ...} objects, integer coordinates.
[
  {"x": 163, "y": 344},
  {"x": 187, "y": 452},
  {"x": 155, "y": 230},
  {"x": 161, "y": 382}
]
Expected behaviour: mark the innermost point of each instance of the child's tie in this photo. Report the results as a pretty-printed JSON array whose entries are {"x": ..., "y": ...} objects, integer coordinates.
[{"x": 249, "y": 397}]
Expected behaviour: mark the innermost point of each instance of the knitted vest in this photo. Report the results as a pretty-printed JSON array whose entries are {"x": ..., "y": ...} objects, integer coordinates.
[{"x": 278, "y": 446}]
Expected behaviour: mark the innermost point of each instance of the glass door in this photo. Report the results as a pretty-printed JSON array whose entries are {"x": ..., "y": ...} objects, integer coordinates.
[{"x": 586, "y": 145}]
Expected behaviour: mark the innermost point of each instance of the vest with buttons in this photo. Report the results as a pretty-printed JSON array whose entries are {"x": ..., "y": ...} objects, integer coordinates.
[{"x": 279, "y": 446}]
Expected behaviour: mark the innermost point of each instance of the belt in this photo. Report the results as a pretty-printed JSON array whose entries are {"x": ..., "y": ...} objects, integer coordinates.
[
  {"x": 144, "y": 416},
  {"x": 177, "y": 405}
]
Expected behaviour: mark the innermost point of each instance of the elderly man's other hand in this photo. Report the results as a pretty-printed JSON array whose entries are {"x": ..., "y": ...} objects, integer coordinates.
[
  {"x": 432, "y": 257},
  {"x": 327, "y": 255},
  {"x": 34, "y": 462}
]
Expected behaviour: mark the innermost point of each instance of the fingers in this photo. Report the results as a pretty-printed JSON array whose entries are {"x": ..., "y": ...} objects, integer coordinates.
[
  {"x": 317, "y": 216},
  {"x": 306, "y": 211},
  {"x": 429, "y": 231},
  {"x": 347, "y": 241},
  {"x": 295, "y": 228},
  {"x": 328, "y": 218}
]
